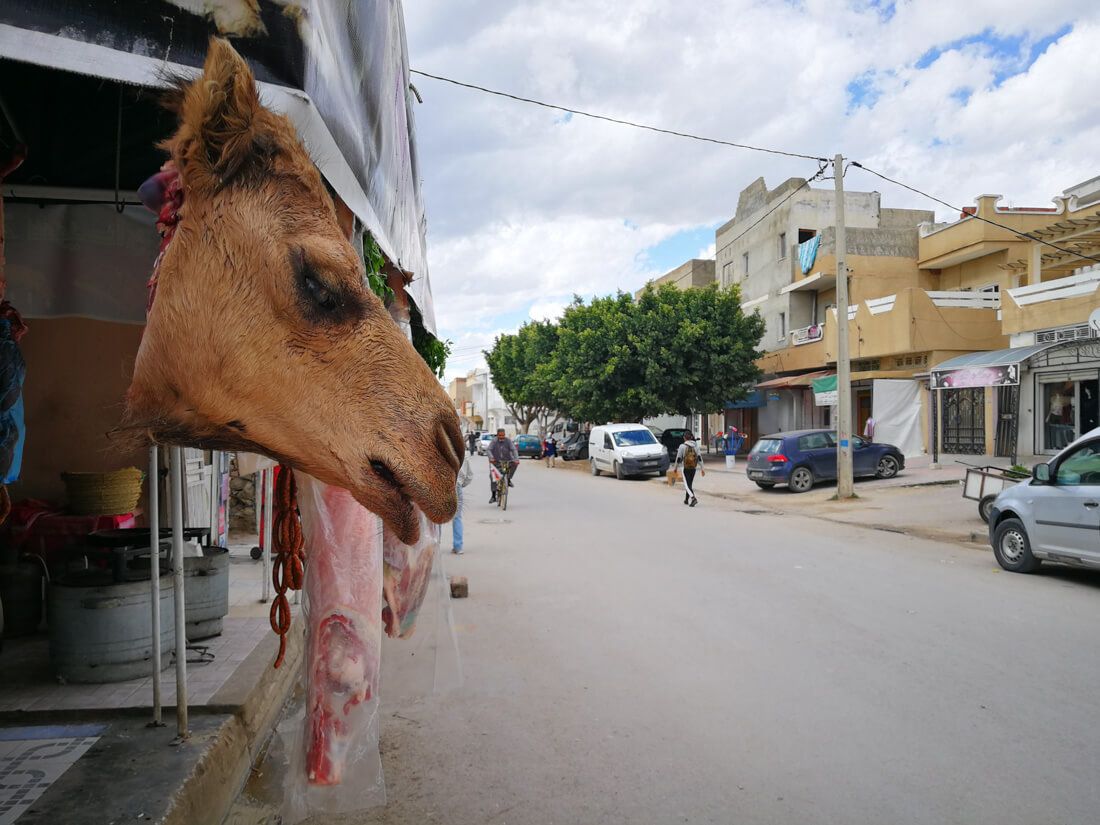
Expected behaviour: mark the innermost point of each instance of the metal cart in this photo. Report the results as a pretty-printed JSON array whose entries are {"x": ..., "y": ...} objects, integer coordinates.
[{"x": 983, "y": 483}]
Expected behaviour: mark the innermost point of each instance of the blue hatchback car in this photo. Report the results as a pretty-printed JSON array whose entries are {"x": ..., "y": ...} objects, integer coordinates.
[{"x": 801, "y": 458}]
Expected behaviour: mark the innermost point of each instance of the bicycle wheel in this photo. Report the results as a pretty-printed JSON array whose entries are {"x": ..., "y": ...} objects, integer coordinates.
[{"x": 504, "y": 493}]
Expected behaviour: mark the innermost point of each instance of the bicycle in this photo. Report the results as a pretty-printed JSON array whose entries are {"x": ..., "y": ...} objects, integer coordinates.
[{"x": 500, "y": 478}]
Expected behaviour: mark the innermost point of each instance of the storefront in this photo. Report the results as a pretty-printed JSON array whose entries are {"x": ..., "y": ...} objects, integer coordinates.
[
  {"x": 1022, "y": 401},
  {"x": 743, "y": 415}
]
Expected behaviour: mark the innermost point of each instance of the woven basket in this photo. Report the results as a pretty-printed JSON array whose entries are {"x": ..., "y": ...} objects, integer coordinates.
[{"x": 103, "y": 494}]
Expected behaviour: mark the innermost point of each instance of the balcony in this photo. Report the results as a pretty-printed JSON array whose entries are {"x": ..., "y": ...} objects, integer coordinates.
[
  {"x": 805, "y": 350},
  {"x": 916, "y": 320},
  {"x": 1062, "y": 302}
]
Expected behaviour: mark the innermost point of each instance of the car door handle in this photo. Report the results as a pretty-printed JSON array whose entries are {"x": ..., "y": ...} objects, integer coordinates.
[{"x": 1092, "y": 504}]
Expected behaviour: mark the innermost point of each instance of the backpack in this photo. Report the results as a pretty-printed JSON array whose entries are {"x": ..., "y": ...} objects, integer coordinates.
[{"x": 691, "y": 459}]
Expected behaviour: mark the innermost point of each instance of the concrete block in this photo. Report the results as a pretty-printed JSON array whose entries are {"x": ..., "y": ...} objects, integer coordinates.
[{"x": 460, "y": 588}]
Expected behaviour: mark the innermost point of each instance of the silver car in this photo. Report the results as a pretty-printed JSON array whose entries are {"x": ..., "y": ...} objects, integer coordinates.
[
  {"x": 1053, "y": 517},
  {"x": 483, "y": 443}
]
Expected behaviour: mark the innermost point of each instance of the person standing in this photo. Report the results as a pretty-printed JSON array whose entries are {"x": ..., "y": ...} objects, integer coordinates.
[
  {"x": 689, "y": 457},
  {"x": 504, "y": 454},
  {"x": 465, "y": 474},
  {"x": 550, "y": 450},
  {"x": 471, "y": 440}
]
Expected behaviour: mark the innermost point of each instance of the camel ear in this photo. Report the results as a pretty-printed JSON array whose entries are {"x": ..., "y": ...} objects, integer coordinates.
[{"x": 223, "y": 135}]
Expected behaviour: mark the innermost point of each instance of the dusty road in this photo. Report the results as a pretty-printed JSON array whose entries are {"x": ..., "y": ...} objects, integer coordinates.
[{"x": 630, "y": 660}]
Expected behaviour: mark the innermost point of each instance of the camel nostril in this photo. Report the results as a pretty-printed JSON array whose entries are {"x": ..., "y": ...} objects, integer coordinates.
[
  {"x": 384, "y": 472},
  {"x": 448, "y": 440}
]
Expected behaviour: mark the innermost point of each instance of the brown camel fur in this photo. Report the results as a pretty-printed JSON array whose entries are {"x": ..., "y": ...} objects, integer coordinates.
[{"x": 263, "y": 335}]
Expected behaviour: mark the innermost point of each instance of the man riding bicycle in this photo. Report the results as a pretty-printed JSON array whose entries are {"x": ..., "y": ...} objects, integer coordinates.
[{"x": 505, "y": 457}]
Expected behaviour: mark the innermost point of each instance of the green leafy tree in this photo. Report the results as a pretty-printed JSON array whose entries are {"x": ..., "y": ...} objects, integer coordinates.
[
  {"x": 520, "y": 365},
  {"x": 700, "y": 348},
  {"x": 598, "y": 367}
]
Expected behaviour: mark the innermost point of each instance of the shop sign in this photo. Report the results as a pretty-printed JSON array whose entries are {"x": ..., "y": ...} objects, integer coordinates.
[
  {"x": 807, "y": 335},
  {"x": 774, "y": 396},
  {"x": 825, "y": 391},
  {"x": 1004, "y": 376}
]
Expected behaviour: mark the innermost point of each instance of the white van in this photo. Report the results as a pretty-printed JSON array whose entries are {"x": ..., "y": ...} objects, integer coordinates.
[{"x": 626, "y": 450}]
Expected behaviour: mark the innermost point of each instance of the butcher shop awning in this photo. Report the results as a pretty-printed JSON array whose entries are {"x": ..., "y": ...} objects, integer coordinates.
[
  {"x": 792, "y": 381},
  {"x": 337, "y": 68}
]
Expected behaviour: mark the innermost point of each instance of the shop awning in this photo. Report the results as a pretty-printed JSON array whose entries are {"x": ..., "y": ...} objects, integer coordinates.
[
  {"x": 788, "y": 381},
  {"x": 997, "y": 368}
]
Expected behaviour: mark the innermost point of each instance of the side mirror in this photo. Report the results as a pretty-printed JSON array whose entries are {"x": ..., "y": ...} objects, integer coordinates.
[{"x": 1040, "y": 473}]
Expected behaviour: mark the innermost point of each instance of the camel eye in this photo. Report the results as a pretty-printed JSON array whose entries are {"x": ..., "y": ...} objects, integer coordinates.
[{"x": 318, "y": 293}]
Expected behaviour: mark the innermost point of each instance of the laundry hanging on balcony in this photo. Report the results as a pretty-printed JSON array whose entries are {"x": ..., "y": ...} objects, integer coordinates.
[{"x": 807, "y": 253}]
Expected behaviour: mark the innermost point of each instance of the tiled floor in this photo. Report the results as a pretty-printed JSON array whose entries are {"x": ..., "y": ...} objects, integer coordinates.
[
  {"x": 32, "y": 759},
  {"x": 27, "y": 682}
]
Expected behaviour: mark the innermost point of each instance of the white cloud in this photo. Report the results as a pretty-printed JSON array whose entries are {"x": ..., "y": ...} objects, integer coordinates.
[
  {"x": 526, "y": 207},
  {"x": 707, "y": 252}
]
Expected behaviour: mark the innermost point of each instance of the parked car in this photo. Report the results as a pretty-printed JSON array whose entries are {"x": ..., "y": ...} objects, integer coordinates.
[
  {"x": 575, "y": 447},
  {"x": 483, "y": 443},
  {"x": 802, "y": 458},
  {"x": 1053, "y": 517},
  {"x": 626, "y": 450},
  {"x": 672, "y": 438},
  {"x": 529, "y": 445}
]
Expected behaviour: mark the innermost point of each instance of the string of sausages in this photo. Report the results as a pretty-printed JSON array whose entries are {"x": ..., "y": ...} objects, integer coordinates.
[{"x": 289, "y": 567}]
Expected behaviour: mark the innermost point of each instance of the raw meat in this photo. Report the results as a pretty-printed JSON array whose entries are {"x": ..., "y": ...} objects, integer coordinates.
[
  {"x": 343, "y": 591},
  {"x": 408, "y": 570}
]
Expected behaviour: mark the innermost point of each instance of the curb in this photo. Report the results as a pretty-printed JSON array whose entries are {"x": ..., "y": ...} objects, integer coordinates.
[{"x": 256, "y": 701}]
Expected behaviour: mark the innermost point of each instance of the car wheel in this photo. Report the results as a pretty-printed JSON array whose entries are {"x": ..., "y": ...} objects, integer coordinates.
[
  {"x": 1012, "y": 547},
  {"x": 595, "y": 469},
  {"x": 618, "y": 470},
  {"x": 765, "y": 485},
  {"x": 801, "y": 480},
  {"x": 888, "y": 467},
  {"x": 985, "y": 507}
]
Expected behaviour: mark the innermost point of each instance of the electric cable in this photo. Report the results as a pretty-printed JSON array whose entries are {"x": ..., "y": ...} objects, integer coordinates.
[{"x": 620, "y": 121}]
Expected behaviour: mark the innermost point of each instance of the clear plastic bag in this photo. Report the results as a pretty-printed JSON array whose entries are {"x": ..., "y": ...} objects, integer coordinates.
[{"x": 332, "y": 744}]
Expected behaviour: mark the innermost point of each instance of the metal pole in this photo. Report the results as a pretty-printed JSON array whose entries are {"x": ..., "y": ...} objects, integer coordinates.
[
  {"x": 154, "y": 573},
  {"x": 215, "y": 495},
  {"x": 267, "y": 543},
  {"x": 844, "y": 486},
  {"x": 177, "y": 580}
]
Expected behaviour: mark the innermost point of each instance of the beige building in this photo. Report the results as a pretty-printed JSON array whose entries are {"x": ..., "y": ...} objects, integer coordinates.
[
  {"x": 696, "y": 272},
  {"x": 1042, "y": 389}
]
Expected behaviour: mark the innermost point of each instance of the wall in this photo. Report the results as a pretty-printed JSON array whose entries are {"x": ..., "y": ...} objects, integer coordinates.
[
  {"x": 977, "y": 273},
  {"x": 78, "y": 372}
]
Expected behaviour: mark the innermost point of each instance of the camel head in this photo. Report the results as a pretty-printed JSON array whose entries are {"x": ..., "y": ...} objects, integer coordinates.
[{"x": 263, "y": 335}]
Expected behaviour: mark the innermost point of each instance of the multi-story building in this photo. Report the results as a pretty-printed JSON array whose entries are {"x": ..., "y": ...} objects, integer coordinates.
[
  {"x": 693, "y": 273},
  {"x": 780, "y": 248},
  {"x": 486, "y": 409},
  {"x": 1042, "y": 389}
]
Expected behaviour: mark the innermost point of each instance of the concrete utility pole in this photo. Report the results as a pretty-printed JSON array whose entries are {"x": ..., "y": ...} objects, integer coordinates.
[{"x": 843, "y": 364}]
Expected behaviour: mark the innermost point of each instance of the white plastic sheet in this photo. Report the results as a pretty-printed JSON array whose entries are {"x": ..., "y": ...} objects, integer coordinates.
[{"x": 896, "y": 409}]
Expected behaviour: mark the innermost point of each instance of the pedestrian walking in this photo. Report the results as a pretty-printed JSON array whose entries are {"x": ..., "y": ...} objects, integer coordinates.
[
  {"x": 471, "y": 440},
  {"x": 689, "y": 457},
  {"x": 550, "y": 451},
  {"x": 465, "y": 474}
]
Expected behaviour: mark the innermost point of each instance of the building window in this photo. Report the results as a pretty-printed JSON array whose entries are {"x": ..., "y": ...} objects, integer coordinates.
[
  {"x": 805, "y": 235},
  {"x": 745, "y": 262},
  {"x": 782, "y": 245},
  {"x": 782, "y": 326},
  {"x": 727, "y": 273}
]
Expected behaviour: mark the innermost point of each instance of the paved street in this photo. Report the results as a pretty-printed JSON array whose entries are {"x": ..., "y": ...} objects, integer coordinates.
[{"x": 631, "y": 660}]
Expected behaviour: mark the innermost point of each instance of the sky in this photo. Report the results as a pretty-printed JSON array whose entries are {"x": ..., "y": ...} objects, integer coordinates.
[{"x": 528, "y": 206}]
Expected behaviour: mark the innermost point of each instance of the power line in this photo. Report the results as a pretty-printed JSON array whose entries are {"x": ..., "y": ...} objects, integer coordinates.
[
  {"x": 804, "y": 185},
  {"x": 619, "y": 121},
  {"x": 1017, "y": 232}
]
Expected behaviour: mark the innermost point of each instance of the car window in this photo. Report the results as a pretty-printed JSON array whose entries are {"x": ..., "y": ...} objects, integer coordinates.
[
  {"x": 814, "y": 441},
  {"x": 768, "y": 446},
  {"x": 634, "y": 438},
  {"x": 857, "y": 442},
  {"x": 1081, "y": 467},
  {"x": 606, "y": 441}
]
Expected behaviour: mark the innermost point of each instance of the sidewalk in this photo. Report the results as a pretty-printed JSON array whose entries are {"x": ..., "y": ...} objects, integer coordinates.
[{"x": 96, "y": 760}]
